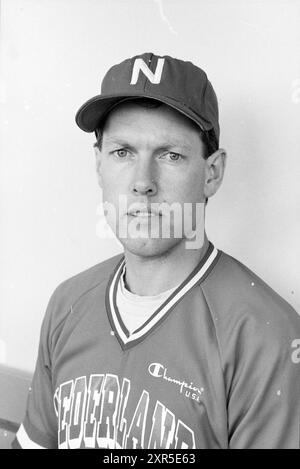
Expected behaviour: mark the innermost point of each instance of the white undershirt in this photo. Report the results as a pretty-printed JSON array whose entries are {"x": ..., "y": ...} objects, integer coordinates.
[{"x": 135, "y": 309}]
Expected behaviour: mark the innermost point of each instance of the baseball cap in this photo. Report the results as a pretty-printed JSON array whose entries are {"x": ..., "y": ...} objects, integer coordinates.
[{"x": 177, "y": 83}]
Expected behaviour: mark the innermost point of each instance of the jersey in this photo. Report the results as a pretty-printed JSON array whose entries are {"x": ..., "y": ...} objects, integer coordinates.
[{"x": 217, "y": 365}]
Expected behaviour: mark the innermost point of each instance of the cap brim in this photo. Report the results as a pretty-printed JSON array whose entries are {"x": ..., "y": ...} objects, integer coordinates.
[{"x": 91, "y": 113}]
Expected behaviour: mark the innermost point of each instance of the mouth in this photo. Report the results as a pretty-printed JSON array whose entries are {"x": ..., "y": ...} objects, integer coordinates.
[{"x": 143, "y": 213}]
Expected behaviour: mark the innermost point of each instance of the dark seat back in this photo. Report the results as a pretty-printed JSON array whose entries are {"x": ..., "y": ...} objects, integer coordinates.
[{"x": 14, "y": 387}]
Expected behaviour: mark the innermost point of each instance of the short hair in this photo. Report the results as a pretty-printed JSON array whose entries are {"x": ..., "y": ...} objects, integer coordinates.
[{"x": 208, "y": 137}]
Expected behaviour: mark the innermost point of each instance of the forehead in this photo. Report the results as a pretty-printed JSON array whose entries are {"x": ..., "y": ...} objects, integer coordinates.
[{"x": 139, "y": 119}]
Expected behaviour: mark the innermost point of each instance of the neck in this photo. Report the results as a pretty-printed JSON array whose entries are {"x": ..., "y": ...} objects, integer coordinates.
[{"x": 148, "y": 276}]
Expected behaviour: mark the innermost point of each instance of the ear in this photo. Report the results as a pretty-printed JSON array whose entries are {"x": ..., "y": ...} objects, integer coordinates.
[
  {"x": 214, "y": 172},
  {"x": 98, "y": 156}
]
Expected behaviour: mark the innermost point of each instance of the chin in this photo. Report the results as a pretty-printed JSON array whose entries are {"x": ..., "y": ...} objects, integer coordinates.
[{"x": 147, "y": 247}]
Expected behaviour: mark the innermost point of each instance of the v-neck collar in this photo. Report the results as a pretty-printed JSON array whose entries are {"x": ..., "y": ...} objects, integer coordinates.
[{"x": 124, "y": 337}]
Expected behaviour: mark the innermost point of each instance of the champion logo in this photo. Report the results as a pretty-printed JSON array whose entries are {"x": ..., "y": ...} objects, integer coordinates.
[{"x": 189, "y": 390}]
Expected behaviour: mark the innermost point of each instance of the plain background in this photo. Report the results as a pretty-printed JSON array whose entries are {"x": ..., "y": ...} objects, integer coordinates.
[{"x": 54, "y": 54}]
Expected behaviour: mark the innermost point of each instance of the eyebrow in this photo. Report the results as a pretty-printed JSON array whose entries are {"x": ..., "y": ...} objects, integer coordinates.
[{"x": 168, "y": 144}]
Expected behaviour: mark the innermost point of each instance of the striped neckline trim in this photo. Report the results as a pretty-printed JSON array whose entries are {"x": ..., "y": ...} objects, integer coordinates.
[{"x": 128, "y": 340}]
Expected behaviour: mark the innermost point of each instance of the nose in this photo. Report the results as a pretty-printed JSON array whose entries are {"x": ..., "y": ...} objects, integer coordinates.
[{"x": 144, "y": 181}]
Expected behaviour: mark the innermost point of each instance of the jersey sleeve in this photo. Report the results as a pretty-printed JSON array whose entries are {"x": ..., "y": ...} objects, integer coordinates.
[
  {"x": 39, "y": 428},
  {"x": 264, "y": 389}
]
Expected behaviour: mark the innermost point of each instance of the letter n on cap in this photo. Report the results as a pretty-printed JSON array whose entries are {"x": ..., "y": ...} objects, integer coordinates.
[{"x": 140, "y": 65}]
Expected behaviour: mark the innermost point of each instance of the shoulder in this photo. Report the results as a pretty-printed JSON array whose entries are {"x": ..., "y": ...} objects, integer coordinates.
[
  {"x": 81, "y": 283},
  {"x": 255, "y": 328},
  {"x": 71, "y": 290},
  {"x": 239, "y": 299}
]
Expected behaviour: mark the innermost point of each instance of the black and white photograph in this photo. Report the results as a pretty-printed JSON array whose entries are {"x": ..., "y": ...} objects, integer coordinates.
[{"x": 149, "y": 226}]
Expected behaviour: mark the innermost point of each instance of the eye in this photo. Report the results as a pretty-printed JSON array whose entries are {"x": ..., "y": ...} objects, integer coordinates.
[
  {"x": 172, "y": 156},
  {"x": 121, "y": 153}
]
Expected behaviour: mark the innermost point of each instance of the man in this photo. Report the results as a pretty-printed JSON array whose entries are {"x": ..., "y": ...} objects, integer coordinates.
[{"x": 174, "y": 344}]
